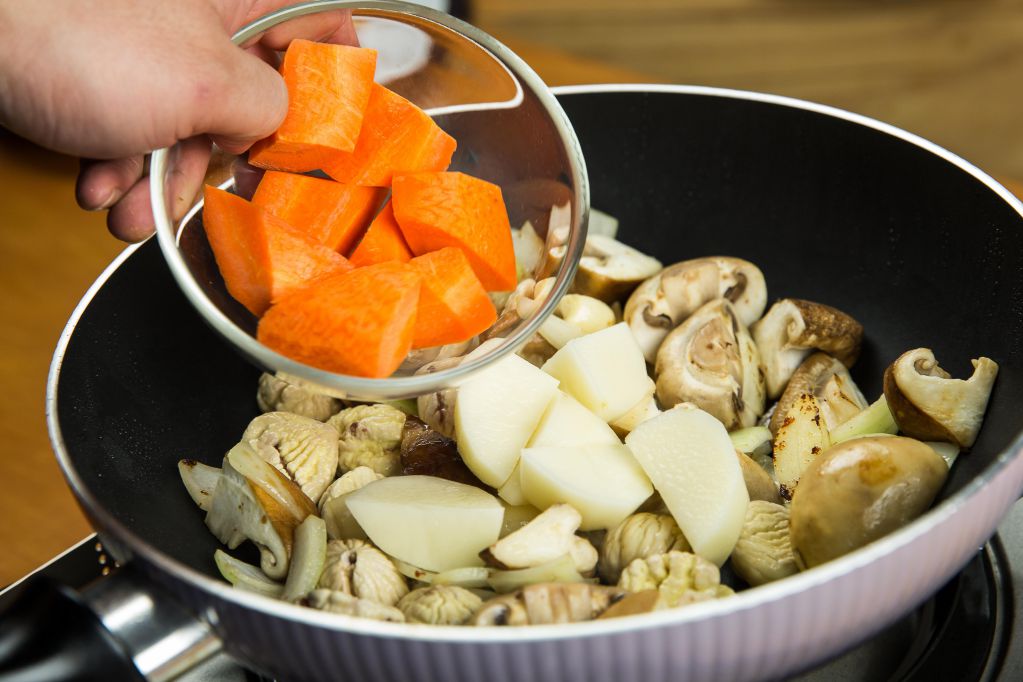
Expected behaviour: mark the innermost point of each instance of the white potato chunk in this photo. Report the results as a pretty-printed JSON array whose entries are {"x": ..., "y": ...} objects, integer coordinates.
[
  {"x": 568, "y": 422},
  {"x": 601, "y": 480},
  {"x": 429, "y": 522},
  {"x": 511, "y": 491},
  {"x": 497, "y": 411},
  {"x": 605, "y": 371},
  {"x": 691, "y": 460}
]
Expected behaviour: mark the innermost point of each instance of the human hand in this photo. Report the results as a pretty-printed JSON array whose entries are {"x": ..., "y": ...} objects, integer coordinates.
[{"x": 112, "y": 80}]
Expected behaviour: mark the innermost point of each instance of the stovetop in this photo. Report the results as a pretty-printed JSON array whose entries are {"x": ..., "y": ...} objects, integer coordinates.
[{"x": 971, "y": 630}]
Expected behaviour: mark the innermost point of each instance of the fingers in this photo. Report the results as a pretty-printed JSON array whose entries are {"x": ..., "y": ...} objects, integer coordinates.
[
  {"x": 250, "y": 104},
  {"x": 332, "y": 27},
  {"x": 131, "y": 218},
  {"x": 102, "y": 183},
  {"x": 252, "y": 98}
]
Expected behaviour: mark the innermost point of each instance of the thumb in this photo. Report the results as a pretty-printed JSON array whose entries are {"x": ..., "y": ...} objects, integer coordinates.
[{"x": 251, "y": 103}]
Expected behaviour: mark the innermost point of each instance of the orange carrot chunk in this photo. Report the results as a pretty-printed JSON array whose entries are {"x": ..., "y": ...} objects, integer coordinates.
[
  {"x": 396, "y": 137},
  {"x": 382, "y": 242},
  {"x": 331, "y": 213},
  {"x": 453, "y": 305},
  {"x": 359, "y": 322},
  {"x": 328, "y": 90},
  {"x": 435, "y": 210},
  {"x": 261, "y": 257}
]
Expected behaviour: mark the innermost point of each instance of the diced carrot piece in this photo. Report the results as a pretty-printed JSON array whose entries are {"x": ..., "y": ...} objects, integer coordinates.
[
  {"x": 435, "y": 210},
  {"x": 359, "y": 322},
  {"x": 328, "y": 90},
  {"x": 331, "y": 213},
  {"x": 382, "y": 242},
  {"x": 397, "y": 137},
  {"x": 260, "y": 257},
  {"x": 453, "y": 305}
]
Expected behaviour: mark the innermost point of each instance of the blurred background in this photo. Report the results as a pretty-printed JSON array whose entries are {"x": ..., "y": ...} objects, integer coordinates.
[{"x": 949, "y": 70}]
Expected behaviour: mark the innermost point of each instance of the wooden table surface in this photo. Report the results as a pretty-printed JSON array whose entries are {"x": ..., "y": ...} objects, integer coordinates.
[{"x": 51, "y": 252}]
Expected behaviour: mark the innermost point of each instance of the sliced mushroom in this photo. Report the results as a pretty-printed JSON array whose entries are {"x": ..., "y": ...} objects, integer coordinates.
[
  {"x": 665, "y": 300},
  {"x": 608, "y": 269},
  {"x": 793, "y": 328},
  {"x": 547, "y": 537},
  {"x": 710, "y": 360},
  {"x": 929, "y": 404},
  {"x": 548, "y": 603},
  {"x": 255, "y": 501},
  {"x": 802, "y": 436},
  {"x": 826, "y": 379}
]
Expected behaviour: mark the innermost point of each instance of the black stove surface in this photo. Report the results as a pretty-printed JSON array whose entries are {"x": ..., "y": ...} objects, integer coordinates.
[{"x": 966, "y": 632}]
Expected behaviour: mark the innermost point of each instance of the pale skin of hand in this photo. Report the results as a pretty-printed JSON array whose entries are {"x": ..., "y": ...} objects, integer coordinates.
[{"x": 112, "y": 80}]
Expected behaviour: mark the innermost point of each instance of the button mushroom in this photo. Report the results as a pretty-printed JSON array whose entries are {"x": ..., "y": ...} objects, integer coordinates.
[
  {"x": 254, "y": 501},
  {"x": 345, "y": 604},
  {"x": 859, "y": 491},
  {"x": 300, "y": 447},
  {"x": 341, "y": 525},
  {"x": 547, "y": 537},
  {"x": 548, "y": 603},
  {"x": 608, "y": 269},
  {"x": 439, "y": 605},
  {"x": 279, "y": 394},
  {"x": 930, "y": 405},
  {"x": 638, "y": 537},
  {"x": 763, "y": 553},
  {"x": 358, "y": 568},
  {"x": 829, "y": 382},
  {"x": 665, "y": 300},
  {"x": 793, "y": 328},
  {"x": 370, "y": 435},
  {"x": 681, "y": 578},
  {"x": 710, "y": 360}
]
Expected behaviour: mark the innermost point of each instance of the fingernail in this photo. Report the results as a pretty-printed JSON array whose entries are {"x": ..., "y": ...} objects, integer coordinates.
[{"x": 109, "y": 201}]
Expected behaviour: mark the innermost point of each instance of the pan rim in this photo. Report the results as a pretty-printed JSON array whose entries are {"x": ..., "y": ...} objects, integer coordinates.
[{"x": 744, "y": 601}]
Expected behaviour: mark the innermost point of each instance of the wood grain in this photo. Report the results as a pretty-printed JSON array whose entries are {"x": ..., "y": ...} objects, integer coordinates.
[
  {"x": 51, "y": 252},
  {"x": 949, "y": 70}
]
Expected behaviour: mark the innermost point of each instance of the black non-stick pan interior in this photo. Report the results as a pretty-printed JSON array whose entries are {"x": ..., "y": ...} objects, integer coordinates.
[{"x": 916, "y": 248}]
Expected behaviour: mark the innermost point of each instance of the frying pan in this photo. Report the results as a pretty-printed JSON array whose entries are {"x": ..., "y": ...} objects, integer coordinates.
[{"x": 920, "y": 246}]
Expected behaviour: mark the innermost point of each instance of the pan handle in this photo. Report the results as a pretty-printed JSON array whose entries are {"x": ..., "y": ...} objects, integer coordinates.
[{"x": 120, "y": 628}]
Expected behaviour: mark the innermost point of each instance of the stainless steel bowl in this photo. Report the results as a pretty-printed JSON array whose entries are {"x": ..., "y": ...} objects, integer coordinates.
[{"x": 510, "y": 131}]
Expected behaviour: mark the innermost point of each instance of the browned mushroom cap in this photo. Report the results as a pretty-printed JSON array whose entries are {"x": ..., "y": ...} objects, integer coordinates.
[
  {"x": 710, "y": 360},
  {"x": 826, "y": 379},
  {"x": 929, "y": 404},
  {"x": 794, "y": 328},
  {"x": 859, "y": 491},
  {"x": 608, "y": 270},
  {"x": 663, "y": 301}
]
